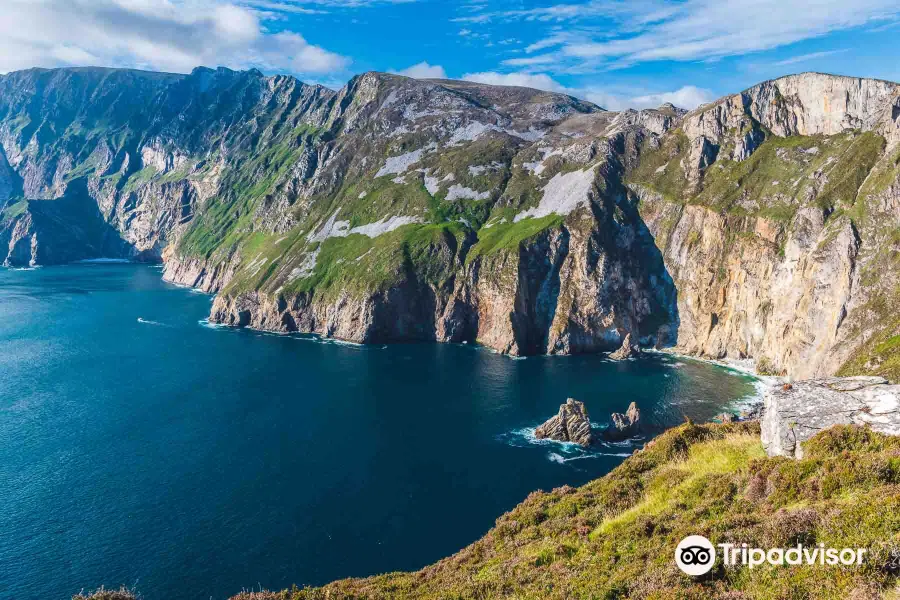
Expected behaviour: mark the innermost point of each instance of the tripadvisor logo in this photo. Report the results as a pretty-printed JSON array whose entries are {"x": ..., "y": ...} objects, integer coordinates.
[{"x": 696, "y": 555}]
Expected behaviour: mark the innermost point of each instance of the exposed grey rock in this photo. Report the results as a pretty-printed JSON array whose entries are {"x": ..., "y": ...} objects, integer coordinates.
[
  {"x": 795, "y": 412},
  {"x": 570, "y": 425},
  {"x": 624, "y": 426},
  {"x": 626, "y": 350}
]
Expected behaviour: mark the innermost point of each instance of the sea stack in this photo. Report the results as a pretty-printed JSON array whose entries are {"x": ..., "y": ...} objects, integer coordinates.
[
  {"x": 571, "y": 424},
  {"x": 624, "y": 426},
  {"x": 626, "y": 350}
]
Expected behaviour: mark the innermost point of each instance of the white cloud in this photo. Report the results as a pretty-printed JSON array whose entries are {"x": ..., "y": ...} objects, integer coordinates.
[
  {"x": 544, "y": 59},
  {"x": 539, "y": 81},
  {"x": 686, "y": 97},
  {"x": 423, "y": 70},
  {"x": 623, "y": 33},
  {"x": 807, "y": 57},
  {"x": 167, "y": 35}
]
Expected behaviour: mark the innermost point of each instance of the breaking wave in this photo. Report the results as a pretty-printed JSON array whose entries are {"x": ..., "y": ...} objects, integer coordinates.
[
  {"x": 149, "y": 322},
  {"x": 565, "y": 452}
]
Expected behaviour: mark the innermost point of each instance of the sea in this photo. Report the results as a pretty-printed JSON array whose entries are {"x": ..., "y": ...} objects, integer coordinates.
[{"x": 142, "y": 446}]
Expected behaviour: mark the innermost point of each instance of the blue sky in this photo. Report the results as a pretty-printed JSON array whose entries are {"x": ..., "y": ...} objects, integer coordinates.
[{"x": 616, "y": 53}]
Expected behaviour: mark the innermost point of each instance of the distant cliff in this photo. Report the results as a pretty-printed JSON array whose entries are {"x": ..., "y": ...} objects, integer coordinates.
[{"x": 765, "y": 225}]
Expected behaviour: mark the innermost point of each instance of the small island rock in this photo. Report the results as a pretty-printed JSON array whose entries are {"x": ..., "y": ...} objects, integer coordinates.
[
  {"x": 624, "y": 426},
  {"x": 571, "y": 424},
  {"x": 626, "y": 350}
]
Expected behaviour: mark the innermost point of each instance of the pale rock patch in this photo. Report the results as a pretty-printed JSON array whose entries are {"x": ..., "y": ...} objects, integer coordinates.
[
  {"x": 460, "y": 192},
  {"x": 334, "y": 228},
  {"x": 563, "y": 194},
  {"x": 396, "y": 165},
  {"x": 385, "y": 225},
  {"x": 432, "y": 184},
  {"x": 306, "y": 268}
]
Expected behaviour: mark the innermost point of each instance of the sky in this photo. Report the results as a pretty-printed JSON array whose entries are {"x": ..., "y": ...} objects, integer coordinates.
[{"x": 615, "y": 53}]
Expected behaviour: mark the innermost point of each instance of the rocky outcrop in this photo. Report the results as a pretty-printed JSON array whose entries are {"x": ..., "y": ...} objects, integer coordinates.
[
  {"x": 624, "y": 426},
  {"x": 570, "y": 425},
  {"x": 626, "y": 350},
  {"x": 794, "y": 412}
]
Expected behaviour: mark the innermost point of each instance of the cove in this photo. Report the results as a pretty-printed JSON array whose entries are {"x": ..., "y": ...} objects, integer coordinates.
[{"x": 140, "y": 446}]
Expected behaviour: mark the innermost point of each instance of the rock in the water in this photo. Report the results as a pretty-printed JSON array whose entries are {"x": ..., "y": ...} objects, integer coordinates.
[
  {"x": 626, "y": 350},
  {"x": 725, "y": 418},
  {"x": 794, "y": 413},
  {"x": 624, "y": 426},
  {"x": 570, "y": 425}
]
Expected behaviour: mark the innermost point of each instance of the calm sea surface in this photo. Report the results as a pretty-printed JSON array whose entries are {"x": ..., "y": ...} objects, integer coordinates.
[{"x": 140, "y": 446}]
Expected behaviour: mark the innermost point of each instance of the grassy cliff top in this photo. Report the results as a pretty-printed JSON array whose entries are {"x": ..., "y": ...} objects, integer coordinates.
[{"x": 615, "y": 537}]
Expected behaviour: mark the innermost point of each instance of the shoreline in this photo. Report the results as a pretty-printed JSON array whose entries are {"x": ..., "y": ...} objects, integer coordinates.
[
  {"x": 761, "y": 383},
  {"x": 743, "y": 366}
]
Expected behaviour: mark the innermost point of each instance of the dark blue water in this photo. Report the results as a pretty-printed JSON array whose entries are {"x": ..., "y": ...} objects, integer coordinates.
[{"x": 139, "y": 446}]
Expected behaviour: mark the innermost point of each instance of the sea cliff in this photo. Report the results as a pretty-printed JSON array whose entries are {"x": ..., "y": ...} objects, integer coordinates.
[{"x": 763, "y": 226}]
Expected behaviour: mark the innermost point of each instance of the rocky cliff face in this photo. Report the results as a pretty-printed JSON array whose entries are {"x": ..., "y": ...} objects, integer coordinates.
[
  {"x": 764, "y": 225},
  {"x": 777, "y": 214}
]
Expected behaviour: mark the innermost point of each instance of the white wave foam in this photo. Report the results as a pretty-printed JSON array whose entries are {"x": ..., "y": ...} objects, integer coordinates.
[
  {"x": 149, "y": 322},
  {"x": 343, "y": 343},
  {"x": 564, "y": 452},
  {"x": 206, "y": 323},
  {"x": 560, "y": 459}
]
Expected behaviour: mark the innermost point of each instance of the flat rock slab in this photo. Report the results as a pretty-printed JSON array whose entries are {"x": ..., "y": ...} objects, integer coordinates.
[{"x": 793, "y": 413}]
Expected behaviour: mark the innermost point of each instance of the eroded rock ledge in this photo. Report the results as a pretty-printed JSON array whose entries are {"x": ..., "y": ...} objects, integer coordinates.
[{"x": 795, "y": 412}]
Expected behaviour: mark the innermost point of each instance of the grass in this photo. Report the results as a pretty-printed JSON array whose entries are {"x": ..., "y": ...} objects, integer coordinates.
[
  {"x": 227, "y": 218},
  {"x": 139, "y": 178},
  {"x": 683, "y": 478},
  {"x": 883, "y": 175},
  {"x": 854, "y": 163},
  {"x": 357, "y": 264},
  {"x": 615, "y": 537},
  {"x": 508, "y": 236},
  {"x": 13, "y": 209},
  {"x": 776, "y": 179},
  {"x": 381, "y": 197},
  {"x": 485, "y": 151},
  {"x": 661, "y": 169},
  {"x": 881, "y": 354}
]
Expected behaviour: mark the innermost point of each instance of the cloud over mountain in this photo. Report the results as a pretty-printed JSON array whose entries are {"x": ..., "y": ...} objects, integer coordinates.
[{"x": 168, "y": 35}]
